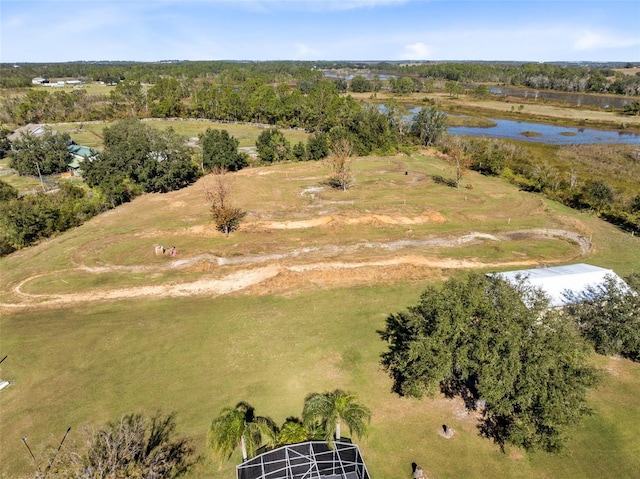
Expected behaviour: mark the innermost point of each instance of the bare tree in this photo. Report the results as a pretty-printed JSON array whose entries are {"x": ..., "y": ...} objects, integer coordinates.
[
  {"x": 340, "y": 163},
  {"x": 134, "y": 446},
  {"x": 225, "y": 215},
  {"x": 457, "y": 157}
]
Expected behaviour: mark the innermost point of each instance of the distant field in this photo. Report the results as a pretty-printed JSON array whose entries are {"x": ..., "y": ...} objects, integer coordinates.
[
  {"x": 91, "y": 88},
  {"x": 627, "y": 71},
  {"x": 95, "y": 325},
  {"x": 90, "y": 134}
]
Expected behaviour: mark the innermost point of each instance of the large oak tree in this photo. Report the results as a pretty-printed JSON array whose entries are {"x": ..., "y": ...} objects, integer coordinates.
[
  {"x": 139, "y": 157},
  {"x": 220, "y": 150},
  {"x": 608, "y": 315},
  {"x": 494, "y": 344},
  {"x": 44, "y": 154}
]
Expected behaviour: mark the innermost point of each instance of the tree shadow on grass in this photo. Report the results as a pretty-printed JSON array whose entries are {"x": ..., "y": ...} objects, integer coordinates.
[
  {"x": 491, "y": 426},
  {"x": 452, "y": 388},
  {"x": 495, "y": 428},
  {"x": 441, "y": 180}
]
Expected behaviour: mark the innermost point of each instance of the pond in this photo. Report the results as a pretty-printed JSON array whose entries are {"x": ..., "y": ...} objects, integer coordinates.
[
  {"x": 543, "y": 133},
  {"x": 550, "y": 134}
]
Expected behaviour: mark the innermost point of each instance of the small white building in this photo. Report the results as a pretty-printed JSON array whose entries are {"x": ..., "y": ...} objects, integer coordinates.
[
  {"x": 39, "y": 81},
  {"x": 556, "y": 281}
]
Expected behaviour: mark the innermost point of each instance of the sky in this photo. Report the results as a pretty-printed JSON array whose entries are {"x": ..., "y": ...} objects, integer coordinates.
[{"x": 365, "y": 30}]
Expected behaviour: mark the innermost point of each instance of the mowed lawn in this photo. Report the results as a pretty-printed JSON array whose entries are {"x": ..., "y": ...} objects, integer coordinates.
[
  {"x": 88, "y": 363},
  {"x": 77, "y": 366}
]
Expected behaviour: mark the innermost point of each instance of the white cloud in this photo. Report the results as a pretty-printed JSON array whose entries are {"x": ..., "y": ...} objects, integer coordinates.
[
  {"x": 264, "y": 6},
  {"x": 416, "y": 51},
  {"x": 590, "y": 40},
  {"x": 531, "y": 42},
  {"x": 305, "y": 52},
  {"x": 356, "y": 4}
]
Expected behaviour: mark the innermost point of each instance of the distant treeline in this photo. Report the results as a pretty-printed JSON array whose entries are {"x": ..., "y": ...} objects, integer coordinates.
[
  {"x": 590, "y": 77},
  {"x": 273, "y": 96},
  {"x": 13, "y": 76},
  {"x": 313, "y": 104},
  {"x": 542, "y": 76}
]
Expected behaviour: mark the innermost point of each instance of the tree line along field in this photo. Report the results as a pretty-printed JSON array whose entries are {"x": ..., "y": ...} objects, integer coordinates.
[
  {"x": 274, "y": 92},
  {"x": 589, "y": 177},
  {"x": 321, "y": 105},
  {"x": 76, "y": 357}
]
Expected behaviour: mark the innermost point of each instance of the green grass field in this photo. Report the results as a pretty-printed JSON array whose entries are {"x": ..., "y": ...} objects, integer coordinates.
[
  {"x": 90, "y": 134},
  {"x": 344, "y": 262}
]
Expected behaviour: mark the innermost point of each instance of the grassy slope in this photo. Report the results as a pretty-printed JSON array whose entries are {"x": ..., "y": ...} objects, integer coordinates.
[{"x": 273, "y": 344}]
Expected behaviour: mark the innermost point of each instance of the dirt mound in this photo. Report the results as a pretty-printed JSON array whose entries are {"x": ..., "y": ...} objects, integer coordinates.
[{"x": 431, "y": 217}]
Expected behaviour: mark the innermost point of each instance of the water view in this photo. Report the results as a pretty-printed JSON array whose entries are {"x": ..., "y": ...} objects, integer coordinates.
[{"x": 542, "y": 133}]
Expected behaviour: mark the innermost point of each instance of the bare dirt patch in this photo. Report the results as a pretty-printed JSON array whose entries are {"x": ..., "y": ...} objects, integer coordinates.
[
  {"x": 373, "y": 219},
  {"x": 288, "y": 271}
]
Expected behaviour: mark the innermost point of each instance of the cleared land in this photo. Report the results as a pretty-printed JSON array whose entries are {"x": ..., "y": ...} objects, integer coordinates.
[{"x": 95, "y": 325}]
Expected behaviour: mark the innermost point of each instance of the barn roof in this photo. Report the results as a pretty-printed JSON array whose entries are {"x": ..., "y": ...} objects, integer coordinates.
[
  {"x": 26, "y": 129},
  {"x": 556, "y": 281}
]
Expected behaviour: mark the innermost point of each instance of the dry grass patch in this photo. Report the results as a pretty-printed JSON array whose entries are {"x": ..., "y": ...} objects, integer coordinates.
[{"x": 311, "y": 234}]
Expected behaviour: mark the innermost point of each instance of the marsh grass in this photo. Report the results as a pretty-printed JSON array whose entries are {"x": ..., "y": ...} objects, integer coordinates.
[
  {"x": 471, "y": 121},
  {"x": 558, "y": 114}
]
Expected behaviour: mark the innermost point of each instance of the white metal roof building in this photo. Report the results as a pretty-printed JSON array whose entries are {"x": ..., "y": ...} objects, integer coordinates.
[{"x": 556, "y": 281}]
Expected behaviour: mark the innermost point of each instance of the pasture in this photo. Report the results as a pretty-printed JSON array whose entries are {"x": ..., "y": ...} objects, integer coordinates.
[
  {"x": 95, "y": 325},
  {"x": 91, "y": 133}
]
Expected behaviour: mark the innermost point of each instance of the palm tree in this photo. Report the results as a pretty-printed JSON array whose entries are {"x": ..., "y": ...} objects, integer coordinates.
[
  {"x": 240, "y": 426},
  {"x": 331, "y": 409},
  {"x": 293, "y": 431}
]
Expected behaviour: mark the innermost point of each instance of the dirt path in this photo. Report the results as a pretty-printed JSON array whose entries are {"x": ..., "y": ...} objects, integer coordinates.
[{"x": 259, "y": 269}]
